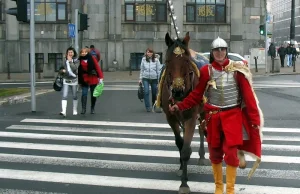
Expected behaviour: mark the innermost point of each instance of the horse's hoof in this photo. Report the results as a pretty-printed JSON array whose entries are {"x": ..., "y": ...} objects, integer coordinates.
[
  {"x": 179, "y": 173},
  {"x": 184, "y": 190},
  {"x": 203, "y": 162}
]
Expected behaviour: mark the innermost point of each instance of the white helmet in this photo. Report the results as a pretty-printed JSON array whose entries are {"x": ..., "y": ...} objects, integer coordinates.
[{"x": 219, "y": 43}]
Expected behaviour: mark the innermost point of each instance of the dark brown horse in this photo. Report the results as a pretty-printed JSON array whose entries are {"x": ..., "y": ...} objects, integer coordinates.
[{"x": 179, "y": 79}]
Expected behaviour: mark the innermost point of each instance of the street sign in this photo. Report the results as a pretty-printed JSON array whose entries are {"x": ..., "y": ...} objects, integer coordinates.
[{"x": 71, "y": 30}]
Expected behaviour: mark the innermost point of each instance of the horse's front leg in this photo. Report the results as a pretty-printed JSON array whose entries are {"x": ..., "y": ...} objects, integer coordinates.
[
  {"x": 178, "y": 139},
  {"x": 186, "y": 153}
]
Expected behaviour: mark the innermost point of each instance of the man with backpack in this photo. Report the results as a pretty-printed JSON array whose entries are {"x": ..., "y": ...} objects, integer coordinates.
[{"x": 95, "y": 52}]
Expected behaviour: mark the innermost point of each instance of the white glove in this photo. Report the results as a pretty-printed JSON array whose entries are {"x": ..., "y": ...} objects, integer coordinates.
[{"x": 100, "y": 81}]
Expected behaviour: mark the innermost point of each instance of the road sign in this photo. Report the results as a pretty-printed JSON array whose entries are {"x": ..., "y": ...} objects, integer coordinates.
[{"x": 71, "y": 30}]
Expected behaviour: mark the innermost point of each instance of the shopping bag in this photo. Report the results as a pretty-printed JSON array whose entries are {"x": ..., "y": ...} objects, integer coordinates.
[{"x": 98, "y": 90}]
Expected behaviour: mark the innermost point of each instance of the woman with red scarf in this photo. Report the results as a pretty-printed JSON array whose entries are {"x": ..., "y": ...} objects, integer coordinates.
[
  {"x": 231, "y": 107},
  {"x": 89, "y": 76}
]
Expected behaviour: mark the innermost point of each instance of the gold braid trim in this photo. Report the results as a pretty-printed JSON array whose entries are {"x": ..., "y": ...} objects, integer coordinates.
[
  {"x": 159, "y": 89},
  {"x": 195, "y": 68}
]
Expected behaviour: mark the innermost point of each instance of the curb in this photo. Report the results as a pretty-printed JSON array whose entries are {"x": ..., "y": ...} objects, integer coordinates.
[{"x": 21, "y": 98}]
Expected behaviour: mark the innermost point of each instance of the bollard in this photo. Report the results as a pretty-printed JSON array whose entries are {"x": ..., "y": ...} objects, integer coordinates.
[
  {"x": 130, "y": 70},
  {"x": 8, "y": 70},
  {"x": 272, "y": 64},
  {"x": 294, "y": 63},
  {"x": 255, "y": 58}
]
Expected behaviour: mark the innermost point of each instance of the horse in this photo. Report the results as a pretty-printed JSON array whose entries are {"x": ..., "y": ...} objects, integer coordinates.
[{"x": 179, "y": 78}]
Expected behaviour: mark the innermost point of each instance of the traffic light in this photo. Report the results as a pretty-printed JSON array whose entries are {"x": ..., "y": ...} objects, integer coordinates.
[
  {"x": 262, "y": 29},
  {"x": 20, "y": 11},
  {"x": 83, "y": 22}
]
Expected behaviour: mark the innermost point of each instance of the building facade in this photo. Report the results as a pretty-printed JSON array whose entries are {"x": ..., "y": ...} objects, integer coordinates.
[
  {"x": 281, "y": 9},
  {"x": 123, "y": 29}
]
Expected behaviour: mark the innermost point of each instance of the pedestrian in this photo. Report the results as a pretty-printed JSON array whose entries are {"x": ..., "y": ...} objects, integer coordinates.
[
  {"x": 228, "y": 91},
  {"x": 149, "y": 74},
  {"x": 282, "y": 53},
  {"x": 289, "y": 54},
  {"x": 70, "y": 80},
  {"x": 95, "y": 53},
  {"x": 272, "y": 51},
  {"x": 89, "y": 76}
]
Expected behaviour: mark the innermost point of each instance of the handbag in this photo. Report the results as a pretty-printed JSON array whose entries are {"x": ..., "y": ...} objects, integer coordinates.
[
  {"x": 140, "y": 92},
  {"x": 98, "y": 90},
  {"x": 58, "y": 83}
]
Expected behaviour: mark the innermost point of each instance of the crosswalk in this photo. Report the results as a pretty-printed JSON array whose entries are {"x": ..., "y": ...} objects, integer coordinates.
[
  {"x": 81, "y": 156},
  {"x": 256, "y": 85}
]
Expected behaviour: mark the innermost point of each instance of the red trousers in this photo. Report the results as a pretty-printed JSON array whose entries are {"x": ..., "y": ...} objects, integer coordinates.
[{"x": 229, "y": 153}]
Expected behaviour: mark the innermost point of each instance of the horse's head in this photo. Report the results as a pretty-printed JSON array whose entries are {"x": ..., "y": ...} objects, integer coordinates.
[{"x": 178, "y": 65}]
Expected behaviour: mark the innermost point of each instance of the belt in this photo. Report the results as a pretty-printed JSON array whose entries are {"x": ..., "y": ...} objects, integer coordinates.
[{"x": 212, "y": 112}]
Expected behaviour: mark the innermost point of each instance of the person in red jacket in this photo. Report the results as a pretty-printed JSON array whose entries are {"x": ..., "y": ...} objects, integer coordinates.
[
  {"x": 89, "y": 76},
  {"x": 231, "y": 109}
]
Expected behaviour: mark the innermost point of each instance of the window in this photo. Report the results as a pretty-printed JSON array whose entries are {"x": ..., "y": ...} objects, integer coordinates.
[
  {"x": 39, "y": 62},
  {"x": 49, "y": 10},
  {"x": 146, "y": 10},
  {"x": 56, "y": 60},
  {"x": 1, "y": 10},
  {"x": 206, "y": 11}
]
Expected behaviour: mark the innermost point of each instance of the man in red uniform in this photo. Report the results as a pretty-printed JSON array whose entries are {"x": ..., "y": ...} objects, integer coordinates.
[{"x": 231, "y": 108}]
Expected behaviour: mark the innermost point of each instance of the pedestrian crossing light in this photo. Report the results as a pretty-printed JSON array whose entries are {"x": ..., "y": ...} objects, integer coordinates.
[
  {"x": 83, "y": 22},
  {"x": 262, "y": 29},
  {"x": 20, "y": 11}
]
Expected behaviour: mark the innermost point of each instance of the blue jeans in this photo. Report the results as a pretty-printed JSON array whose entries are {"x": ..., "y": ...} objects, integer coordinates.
[
  {"x": 85, "y": 90},
  {"x": 146, "y": 84},
  {"x": 289, "y": 60}
]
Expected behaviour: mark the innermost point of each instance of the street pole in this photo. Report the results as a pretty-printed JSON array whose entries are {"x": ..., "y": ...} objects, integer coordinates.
[
  {"x": 266, "y": 37},
  {"x": 76, "y": 30},
  {"x": 292, "y": 32},
  {"x": 32, "y": 57}
]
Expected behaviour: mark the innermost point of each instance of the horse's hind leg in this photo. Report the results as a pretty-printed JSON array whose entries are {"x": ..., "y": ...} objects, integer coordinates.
[
  {"x": 202, "y": 161},
  {"x": 178, "y": 139}
]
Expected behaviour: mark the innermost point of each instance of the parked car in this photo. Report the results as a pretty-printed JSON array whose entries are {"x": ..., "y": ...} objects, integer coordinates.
[{"x": 231, "y": 56}]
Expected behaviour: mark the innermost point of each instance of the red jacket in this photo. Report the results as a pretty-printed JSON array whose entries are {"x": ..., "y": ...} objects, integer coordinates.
[
  {"x": 196, "y": 96},
  {"x": 88, "y": 78}
]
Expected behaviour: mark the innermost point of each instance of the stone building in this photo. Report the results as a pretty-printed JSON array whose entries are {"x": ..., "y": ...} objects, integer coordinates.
[
  {"x": 123, "y": 29},
  {"x": 281, "y": 9}
]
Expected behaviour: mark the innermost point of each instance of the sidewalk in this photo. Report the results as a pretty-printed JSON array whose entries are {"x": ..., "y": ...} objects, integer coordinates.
[
  {"x": 124, "y": 76},
  {"x": 117, "y": 76}
]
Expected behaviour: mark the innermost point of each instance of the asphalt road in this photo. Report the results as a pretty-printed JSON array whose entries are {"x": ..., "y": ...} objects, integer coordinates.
[{"x": 124, "y": 149}]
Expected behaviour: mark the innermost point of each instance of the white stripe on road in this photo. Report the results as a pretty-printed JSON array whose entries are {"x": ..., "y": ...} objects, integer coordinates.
[
  {"x": 131, "y": 152},
  {"x": 15, "y": 191},
  {"x": 139, "y": 166},
  {"x": 125, "y": 132},
  {"x": 137, "y": 183},
  {"x": 134, "y": 141},
  {"x": 105, "y": 123},
  {"x": 136, "y": 124}
]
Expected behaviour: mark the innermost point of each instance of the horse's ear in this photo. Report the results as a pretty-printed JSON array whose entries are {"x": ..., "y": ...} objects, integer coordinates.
[
  {"x": 186, "y": 39},
  {"x": 168, "y": 39}
]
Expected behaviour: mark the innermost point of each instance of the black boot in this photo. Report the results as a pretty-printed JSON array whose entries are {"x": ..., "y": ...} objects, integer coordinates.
[
  {"x": 93, "y": 102},
  {"x": 83, "y": 104}
]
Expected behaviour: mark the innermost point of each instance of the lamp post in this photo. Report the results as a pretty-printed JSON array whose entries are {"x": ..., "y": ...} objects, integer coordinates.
[{"x": 292, "y": 31}]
